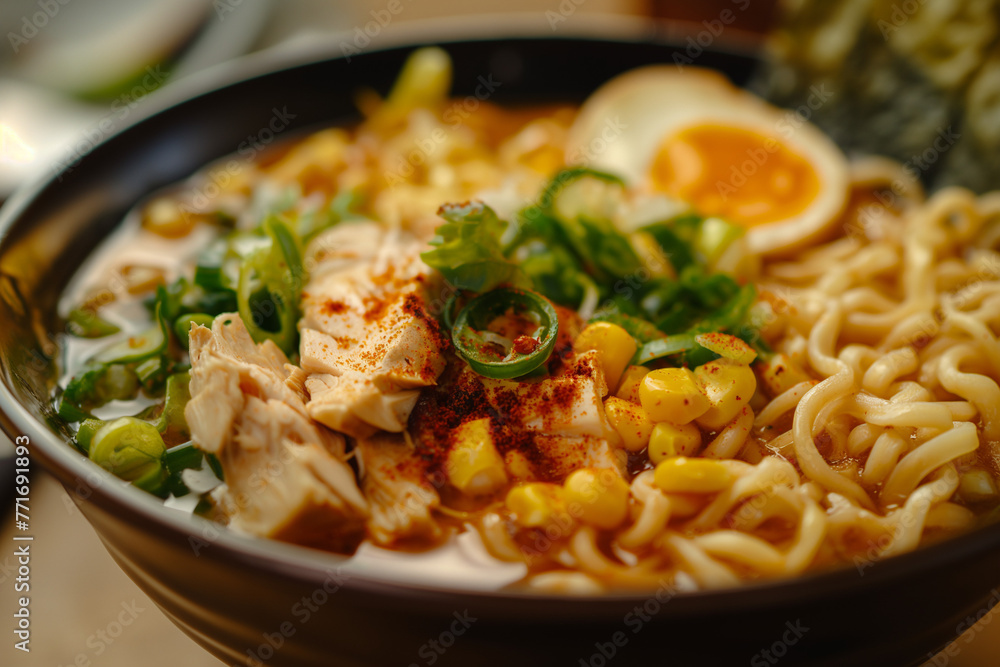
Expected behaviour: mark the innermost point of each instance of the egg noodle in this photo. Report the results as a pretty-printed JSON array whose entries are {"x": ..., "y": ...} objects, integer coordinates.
[
  {"x": 896, "y": 324},
  {"x": 872, "y": 428}
]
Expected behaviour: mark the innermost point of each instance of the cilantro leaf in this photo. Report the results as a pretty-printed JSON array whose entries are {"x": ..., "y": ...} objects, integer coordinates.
[{"x": 468, "y": 251}]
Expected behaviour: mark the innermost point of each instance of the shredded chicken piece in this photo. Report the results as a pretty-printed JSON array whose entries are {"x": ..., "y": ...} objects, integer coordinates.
[
  {"x": 369, "y": 341},
  {"x": 285, "y": 474},
  {"x": 394, "y": 482}
]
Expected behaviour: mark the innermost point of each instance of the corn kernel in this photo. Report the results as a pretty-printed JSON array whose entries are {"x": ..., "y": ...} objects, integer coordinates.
[
  {"x": 673, "y": 395},
  {"x": 615, "y": 345},
  {"x": 977, "y": 485},
  {"x": 628, "y": 386},
  {"x": 669, "y": 440},
  {"x": 780, "y": 373},
  {"x": 729, "y": 387},
  {"x": 474, "y": 466},
  {"x": 630, "y": 421},
  {"x": 683, "y": 475},
  {"x": 597, "y": 497},
  {"x": 536, "y": 504}
]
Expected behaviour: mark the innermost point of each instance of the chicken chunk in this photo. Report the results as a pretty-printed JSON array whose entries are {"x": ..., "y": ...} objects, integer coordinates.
[
  {"x": 369, "y": 340},
  {"x": 400, "y": 494},
  {"x": 285, "y": 474}
]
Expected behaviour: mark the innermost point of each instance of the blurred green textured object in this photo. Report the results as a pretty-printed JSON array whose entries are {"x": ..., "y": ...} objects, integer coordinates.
[{"x": 914, "y": 80}]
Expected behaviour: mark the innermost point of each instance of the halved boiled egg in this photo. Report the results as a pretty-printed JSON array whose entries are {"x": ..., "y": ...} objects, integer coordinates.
[{"x": 692, "y": 135}]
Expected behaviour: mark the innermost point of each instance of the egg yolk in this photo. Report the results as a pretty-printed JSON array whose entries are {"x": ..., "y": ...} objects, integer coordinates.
[{"x": 734, "y": 173}]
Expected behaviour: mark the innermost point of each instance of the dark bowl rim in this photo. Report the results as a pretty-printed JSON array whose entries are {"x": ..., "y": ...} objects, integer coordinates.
[{"x": 304, "y": 564}]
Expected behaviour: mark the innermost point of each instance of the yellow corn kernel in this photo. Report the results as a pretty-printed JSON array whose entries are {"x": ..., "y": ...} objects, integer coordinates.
[
  {"x": 729, "y": 387},
  {"x": 672, "y": 395},
  {"x": 630, "y": 421},
  {"x": 628, "y": 386},
  {"x": 669, "y": 440},
  {"x": 474, "y": 466},
  {"x": 536, "y": 504},
  {"x": 977, "y": 485},
  {"x": 615, "y": 346},
  {"x": 683, "y": 475},
  {"x": 597, "y": 497},
  {"x": 780, "y": 373}
]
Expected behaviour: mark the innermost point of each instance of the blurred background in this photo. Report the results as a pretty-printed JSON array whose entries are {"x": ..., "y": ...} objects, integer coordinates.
[{"x": 901, "y": 73}]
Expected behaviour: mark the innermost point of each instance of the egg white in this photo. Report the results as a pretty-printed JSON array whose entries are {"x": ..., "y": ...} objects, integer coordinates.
[{"x": 622, "y": 126}]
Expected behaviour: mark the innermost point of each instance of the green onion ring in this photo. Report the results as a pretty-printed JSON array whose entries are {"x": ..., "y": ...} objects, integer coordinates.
[{"x": 479, "y": 312}]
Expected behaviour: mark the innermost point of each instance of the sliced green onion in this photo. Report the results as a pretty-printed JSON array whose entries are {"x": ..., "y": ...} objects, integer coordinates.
[
  {"x": 119, "y": 383},
  {"x": 86, "y": 323},
  {"x": 208, "y": 272},
  {"x": 99, "y": 384},
  {"x": 714, "y": 237},
  {"x": 177, "y": 395},
  {"x": 730, "y": 315},
  {"x": 569, "y": 195},
  {"x": 85, "y": 434},
  {"x": 642, "y": 330},
  {"x": 663, "y": 347},
  {"x": 676, "y": 248},
  {"x": 149, "y": 343},
  {"x": 478, "y": 313},
  {"x": 728, "y": 346},
  {"x": 69, "y": 411},
  {"x": 82, "y": 389},
  {"x": 183, "y": 457},
  {"x": 132, "y": 450},
  {"x": 149, "y": 369},
  {"x": 269, "y": 288},
  {"x": 447, "y": 314}
]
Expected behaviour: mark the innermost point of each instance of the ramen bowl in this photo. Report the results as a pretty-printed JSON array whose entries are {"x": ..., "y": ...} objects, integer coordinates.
[{"x": 253, "y": 602}]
